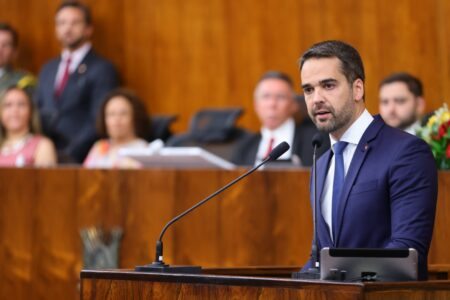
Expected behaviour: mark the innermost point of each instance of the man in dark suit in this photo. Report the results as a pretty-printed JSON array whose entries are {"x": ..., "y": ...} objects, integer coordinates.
[
  {"x": 275, "y": 105},
  {"x": 377, "y": 185},
  {"x": 72, "y": 87}
]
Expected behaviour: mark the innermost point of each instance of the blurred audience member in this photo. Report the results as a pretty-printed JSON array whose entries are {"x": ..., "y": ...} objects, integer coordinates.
[
  {"x": 275, "y": 105},
  {"x": 9, "y": 40},
  {"x": 123, "y": 123},
  {"x": 72, "y": 87},
  {"x": 20, "y": 142},
  {"x": 401, "y": 101}
]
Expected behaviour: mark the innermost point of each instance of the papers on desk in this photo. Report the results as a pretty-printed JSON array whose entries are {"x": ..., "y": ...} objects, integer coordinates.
[{"x": 177, "y": 157}]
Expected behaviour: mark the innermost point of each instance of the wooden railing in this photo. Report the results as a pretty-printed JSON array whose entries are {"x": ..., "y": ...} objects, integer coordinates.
[{"x": 263, "y": 221}]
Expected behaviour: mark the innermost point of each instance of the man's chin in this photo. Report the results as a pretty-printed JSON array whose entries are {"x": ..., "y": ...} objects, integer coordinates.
[{"x": 72, "y": 45}]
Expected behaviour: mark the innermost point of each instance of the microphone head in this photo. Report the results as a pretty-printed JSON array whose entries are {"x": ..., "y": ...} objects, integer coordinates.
[
  {"x": 279, "y": 150},
  {"x": 317, "y": 140}
]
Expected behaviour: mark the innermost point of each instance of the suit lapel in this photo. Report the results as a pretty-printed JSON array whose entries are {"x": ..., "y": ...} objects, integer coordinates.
[
  {"x": 76, "y": 81},
  {"x": 361, "y": 152},
  {"x": 49, "y": 83}
]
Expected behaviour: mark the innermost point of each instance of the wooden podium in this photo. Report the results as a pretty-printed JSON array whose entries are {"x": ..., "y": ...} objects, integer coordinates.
[{"x": 266, "y": 283}]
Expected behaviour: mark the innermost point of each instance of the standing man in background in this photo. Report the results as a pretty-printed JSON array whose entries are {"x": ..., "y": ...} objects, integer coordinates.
[
  {"x": 377, "y": 185},
  {"x": 72, "y": 87},
  {"x": 9, "y": 41},
  {"x": 401, "y": 101}
]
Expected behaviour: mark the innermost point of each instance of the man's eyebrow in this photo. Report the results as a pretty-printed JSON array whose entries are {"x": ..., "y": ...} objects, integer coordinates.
[
  {"x": 328, "y": 80},
  {"x": 321, "y": 82},
  {"x": 307, "y": 85}
]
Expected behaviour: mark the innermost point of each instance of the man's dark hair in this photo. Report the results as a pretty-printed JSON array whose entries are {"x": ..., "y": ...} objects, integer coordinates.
[
  {"x": 8, "y": 28},
  {"x": 413, "y": 83},
  {"x": 78, "y": 5},
  {"x": 141, "y": 120},
  {"x": 351, "y": 62},
  {"x": 277, "y": 75}
]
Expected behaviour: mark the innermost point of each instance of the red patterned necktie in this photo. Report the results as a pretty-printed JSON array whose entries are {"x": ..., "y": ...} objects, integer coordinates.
[
  {"x": 62, "y": 84},
  {"x": 270, "y": 148}
]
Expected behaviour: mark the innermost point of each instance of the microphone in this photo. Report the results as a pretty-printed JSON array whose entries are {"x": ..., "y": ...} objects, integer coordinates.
[
  {"x": 158, "y": 265},
  {"x": 314, "y": 271}
]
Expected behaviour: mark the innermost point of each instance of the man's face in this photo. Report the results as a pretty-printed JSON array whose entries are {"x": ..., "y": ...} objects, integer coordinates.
[
  {"x": 7, "y": 50},
  {"x": 71, "y": 28},
  {"x": 399, "y": 107},
  {"x": 333, "y": 103},
  {"x": 274, "y": 102}
]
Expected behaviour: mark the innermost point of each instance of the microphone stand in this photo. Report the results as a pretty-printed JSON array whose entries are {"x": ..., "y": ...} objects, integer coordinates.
[
  {"x": 158, "y": 265},
  {"x": 314, "y": 271}
]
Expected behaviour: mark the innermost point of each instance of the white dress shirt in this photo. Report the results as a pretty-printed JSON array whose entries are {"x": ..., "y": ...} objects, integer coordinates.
[
  {"x": 284, "y": 133},
  {"x": 352, "y": 136},
  {"x": 76, "y": 57}
]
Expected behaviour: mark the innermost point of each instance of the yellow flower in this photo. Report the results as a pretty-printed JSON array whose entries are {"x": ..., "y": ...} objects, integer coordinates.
[
  {"x": 444, "y": 117},
  {"x": 26, "y": 81},
  {"x": 431, "y": 121}
]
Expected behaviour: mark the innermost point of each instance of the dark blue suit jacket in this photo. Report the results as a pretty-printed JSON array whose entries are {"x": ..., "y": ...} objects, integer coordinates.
[
  {"x": 389, "y": 195},
  {"x": 70, "y": 120}
]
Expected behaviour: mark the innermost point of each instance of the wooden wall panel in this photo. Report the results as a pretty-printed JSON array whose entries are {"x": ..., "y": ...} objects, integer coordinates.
[
  {"x": 181, "y": 56},
  {"x": 16, "y": 253}
]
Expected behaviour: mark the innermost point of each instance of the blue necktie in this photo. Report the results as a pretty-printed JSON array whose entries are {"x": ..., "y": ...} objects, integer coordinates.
[{"x": 338, "y": 184}]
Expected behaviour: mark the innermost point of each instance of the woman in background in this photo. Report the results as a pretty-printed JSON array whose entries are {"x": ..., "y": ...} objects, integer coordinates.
[
  {"x": 123, "y": 123},
  {"x": 20, "y": 142}
]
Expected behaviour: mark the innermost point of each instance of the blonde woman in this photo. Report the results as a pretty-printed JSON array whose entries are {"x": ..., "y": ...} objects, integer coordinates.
[{"x": 20, "y": 142}]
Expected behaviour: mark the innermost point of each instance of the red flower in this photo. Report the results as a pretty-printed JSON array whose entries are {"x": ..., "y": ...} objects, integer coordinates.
[
  {"x": 447, "y": 152},
  {"x": 443, "y": 129}
]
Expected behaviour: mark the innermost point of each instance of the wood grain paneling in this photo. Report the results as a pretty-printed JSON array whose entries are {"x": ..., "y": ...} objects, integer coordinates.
[
  {"x": 182, "y": 56},
  {"x": 123, "y": 284}
]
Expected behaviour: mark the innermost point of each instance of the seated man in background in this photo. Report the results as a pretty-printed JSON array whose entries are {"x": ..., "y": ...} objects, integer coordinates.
[
  {"x": 9, "y": 41},
  {"x": 275, "y": 105},
  {"x": 401, "y": 101},
  {"x": 72, "y": 87}
]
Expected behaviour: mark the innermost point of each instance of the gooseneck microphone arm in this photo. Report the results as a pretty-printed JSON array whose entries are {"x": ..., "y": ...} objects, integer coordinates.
[
  {"x": 274, "y": 154},
  {"x": 317, "y": 142},
  {"x": 313, "y": 272}
]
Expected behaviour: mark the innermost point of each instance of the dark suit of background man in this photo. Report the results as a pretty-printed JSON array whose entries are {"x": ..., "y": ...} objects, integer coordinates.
[
  {"x": 275, "y": 106},
  {"x": 72, "y": 86},
  {"x": 381, "y": 191}
]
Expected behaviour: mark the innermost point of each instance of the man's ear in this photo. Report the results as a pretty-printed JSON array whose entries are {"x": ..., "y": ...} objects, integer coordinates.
[
  {"x": 421, "y": 105},
  {"x": 358, "y": 90},
  {"x": 89, "y": 31}
]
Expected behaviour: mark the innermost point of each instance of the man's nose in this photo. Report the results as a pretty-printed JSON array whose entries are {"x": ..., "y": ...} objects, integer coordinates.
[{"x": 317, "y": 96}]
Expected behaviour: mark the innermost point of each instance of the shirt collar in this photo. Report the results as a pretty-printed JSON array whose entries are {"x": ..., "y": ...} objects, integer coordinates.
[
  {"x": 77, "y": 55},
  {"x": 413, "y": 128},
  {"x": 2, "y": 71},
  {"x": 356, "y": 130},
  {"x": 282, "y": 130}
]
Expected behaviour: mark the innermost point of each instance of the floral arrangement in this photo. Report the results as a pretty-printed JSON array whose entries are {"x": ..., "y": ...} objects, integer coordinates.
[{"x": 437, "y": 134}]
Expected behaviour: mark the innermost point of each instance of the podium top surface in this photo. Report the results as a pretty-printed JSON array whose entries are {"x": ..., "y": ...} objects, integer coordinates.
[{"x": 260, "y": 280}]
